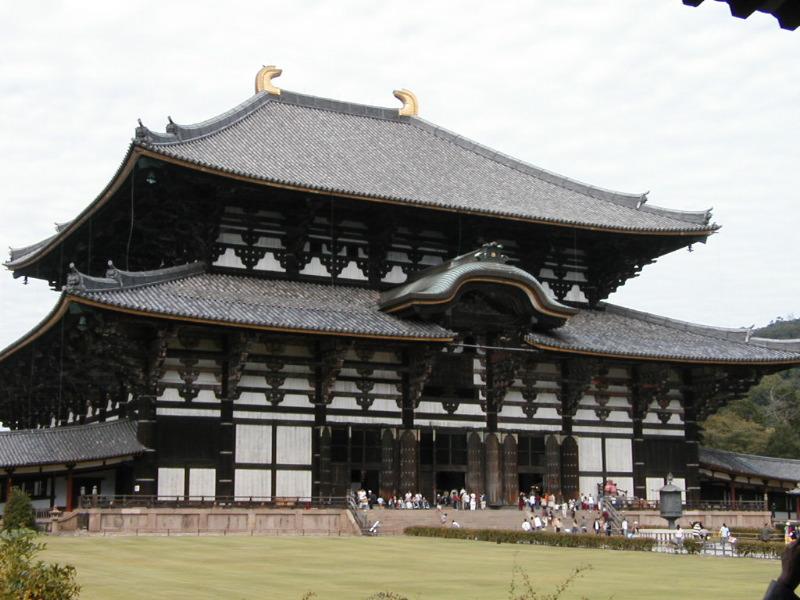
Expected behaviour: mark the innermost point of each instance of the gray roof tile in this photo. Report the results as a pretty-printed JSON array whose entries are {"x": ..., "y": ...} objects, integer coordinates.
[
  {"x": 265, "y": 303},
  {"x": 617, "y": 331},
  {"x": 372, "y": 152},
  {"x": 785, "y": 469},
  {"x": 70, "y": 444}
]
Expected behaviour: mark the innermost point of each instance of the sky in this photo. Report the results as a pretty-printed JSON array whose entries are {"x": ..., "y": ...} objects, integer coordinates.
[{"x": 698, "y": 108}]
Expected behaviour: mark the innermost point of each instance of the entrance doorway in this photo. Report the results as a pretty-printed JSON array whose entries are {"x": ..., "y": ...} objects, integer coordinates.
[
  {"x": 366, "y": 480},
  {"x": 449, "y": 480},
  {"x": 530, "y": 481}
]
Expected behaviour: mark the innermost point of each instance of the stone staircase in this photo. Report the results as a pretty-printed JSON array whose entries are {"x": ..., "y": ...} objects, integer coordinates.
[{"x": 393, "y": 522}]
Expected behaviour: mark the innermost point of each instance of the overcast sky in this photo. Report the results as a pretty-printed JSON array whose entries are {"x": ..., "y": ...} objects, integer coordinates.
[{"x": 697, "y": 107}]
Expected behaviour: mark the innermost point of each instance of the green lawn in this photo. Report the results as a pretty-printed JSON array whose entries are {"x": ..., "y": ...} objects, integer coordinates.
[{"x": 352, "y": 568}]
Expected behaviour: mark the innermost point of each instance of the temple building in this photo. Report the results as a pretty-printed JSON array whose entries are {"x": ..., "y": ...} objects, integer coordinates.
[{"x": 303, "y": 295}]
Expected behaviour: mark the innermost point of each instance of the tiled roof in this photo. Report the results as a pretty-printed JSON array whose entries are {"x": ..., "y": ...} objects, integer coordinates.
[
  {"x": 370, "y": 152},
  {"x": 250, "y": 301},
  {"x": 617, "y": 331},
  {"x": 70, "y": 444},
  {"x": 342, "y": 148},
  {"x": 785, "y": 469}
]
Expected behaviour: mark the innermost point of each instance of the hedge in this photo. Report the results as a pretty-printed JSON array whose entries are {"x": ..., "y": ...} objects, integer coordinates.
[
  {"x": 539, "y": 538},
  {"x": 768, "y": 549}
]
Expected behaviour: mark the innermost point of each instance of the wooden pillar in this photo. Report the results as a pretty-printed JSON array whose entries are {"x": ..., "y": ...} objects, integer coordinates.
[
  {"x": 474, "y": 479},
  {"x": 494, "y": 473},
  {"x": 638, "y": 410},
  {"x": 388, "y": 483},
  {"x": 692, "y": 440},
  {"x": 491, "y": 404},
  {"x": 407, "y": 400},
  {"x": 409, "y": 462},
  {"x": 145, "y": 469},
  {"x": 510, "y": 472},
  {"x": 321, "y": 469},
  {"x": 569, "y": 468},
  {"x": 70, "y": 489},
  {"x": 552, "y": 454},
  {"x": 227, "y": 448},
  {"x": 733, "y": 495}
]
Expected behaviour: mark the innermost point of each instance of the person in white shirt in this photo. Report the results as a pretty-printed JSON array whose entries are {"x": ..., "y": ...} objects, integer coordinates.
[
  {"x": 537, "y": 522},
  {"x": 724, "y": 535},
  {"x": 678, "y": 536},
  {"x": 455, "y": 525},
  {"x": 526, "y": 525},
  {"x": 625, "y": 527}
]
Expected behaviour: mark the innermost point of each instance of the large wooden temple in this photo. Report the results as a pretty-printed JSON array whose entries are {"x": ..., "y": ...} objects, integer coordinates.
[{"x": 301, "y": 295}]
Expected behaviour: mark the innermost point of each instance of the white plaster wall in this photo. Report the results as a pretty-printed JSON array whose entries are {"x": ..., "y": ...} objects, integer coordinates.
[
  {"x": 619, "y": 455},
  {"x": 268, "y": 263},
  {"x": 434, "y": 408},
  {"x": 256, "y": 483},
  {"x": 656, "y": 483},
  {"x": 293, "y": 483},
  {"x": 590, "y": 457},
  {"x": 364, "y": 419},
  {"x": 588, "y": 485},
  {"x": 667, "y": 432},
  {"x": 61, "y": 491},
  {"x": 168, "y": 411},
  {"x": 293, "y": 446},
  {"x": 170, "y": 482},
  {"x": 202, "y": 483},
  {"x": 253, "y": 444},
  {"x": 229, "y": 259},
  {"x": 625, "y": 484}
]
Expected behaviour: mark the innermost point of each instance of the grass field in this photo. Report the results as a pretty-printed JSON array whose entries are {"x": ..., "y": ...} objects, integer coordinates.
[{"x": 124, "y": 568}]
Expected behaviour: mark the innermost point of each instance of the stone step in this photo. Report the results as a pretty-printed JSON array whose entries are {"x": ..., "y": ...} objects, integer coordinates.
[{"x": 393, "y": 521}]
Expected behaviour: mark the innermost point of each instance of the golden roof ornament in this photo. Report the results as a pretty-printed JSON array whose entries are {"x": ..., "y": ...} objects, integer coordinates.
[
  {"x": 264, "y": 80},
  {"x": 410, "y": 106}
]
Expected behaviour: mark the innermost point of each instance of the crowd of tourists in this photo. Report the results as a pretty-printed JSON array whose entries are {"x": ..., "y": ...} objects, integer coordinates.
[{"x": 455, "y": 499}]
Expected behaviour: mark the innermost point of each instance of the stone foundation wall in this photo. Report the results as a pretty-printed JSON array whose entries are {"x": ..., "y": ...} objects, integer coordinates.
[
  {"x": 711, "y": 519},
  {"x": 209, "y": 521}
]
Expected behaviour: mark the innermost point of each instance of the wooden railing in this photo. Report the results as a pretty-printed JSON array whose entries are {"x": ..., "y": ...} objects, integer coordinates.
[{"x": 142, "y": 501}]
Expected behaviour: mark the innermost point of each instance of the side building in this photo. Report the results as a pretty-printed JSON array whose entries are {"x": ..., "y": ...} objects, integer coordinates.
[{"x": 304, "y": 295}]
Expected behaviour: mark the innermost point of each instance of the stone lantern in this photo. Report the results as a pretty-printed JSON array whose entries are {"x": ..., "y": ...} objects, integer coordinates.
[{"x": 670, "y": 502}]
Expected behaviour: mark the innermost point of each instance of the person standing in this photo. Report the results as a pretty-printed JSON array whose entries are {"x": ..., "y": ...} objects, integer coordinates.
[
  {"x": 624, "y": 527},
  {"x": 724, "y": 536}
]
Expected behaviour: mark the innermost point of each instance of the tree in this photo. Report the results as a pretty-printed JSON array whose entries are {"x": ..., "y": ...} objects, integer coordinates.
[
  {"x": 727, "y": 430},
  {"x": 19, "y": 511},
  {"x": 23, "y": 577}
]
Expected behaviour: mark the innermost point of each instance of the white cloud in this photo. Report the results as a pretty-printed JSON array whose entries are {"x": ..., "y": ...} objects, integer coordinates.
[{"x": 696, "y": 106}]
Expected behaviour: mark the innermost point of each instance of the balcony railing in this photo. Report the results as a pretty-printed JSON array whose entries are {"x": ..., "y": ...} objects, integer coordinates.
[{"x": 162, "y": 501}]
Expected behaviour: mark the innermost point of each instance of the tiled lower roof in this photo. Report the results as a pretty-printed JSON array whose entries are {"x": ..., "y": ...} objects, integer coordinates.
[
  {"x": 267, "y": 303},
  {"x": 785, "y": 469},
  {"x": 70, "y": 444},
  {"x": 616, "y": 331}
]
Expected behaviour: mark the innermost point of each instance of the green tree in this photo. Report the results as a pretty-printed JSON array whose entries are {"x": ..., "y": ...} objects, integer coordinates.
[
  {"x": 19, "y": 511},
  {"x": 728, "y": 430},
  {"x": 24, "y": 578},
  {"x": 784, "y": 442}
]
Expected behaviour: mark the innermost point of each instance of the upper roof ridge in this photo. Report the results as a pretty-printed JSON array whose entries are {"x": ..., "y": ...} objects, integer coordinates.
[
  {"x": 736, "y": 334},
  {"x": 119, "y": 279},
  {"x": 176, "y": 133}
]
